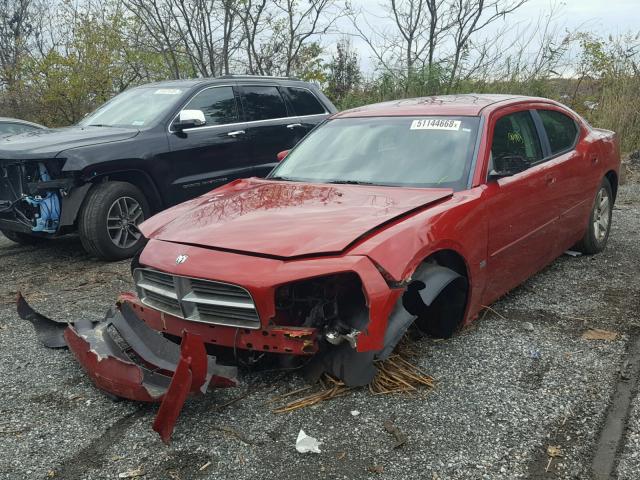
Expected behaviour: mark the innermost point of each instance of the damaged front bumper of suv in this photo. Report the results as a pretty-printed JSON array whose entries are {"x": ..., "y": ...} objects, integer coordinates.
[
  {"x": 126, "y": 358},
  {"x": 36, "y": 198}
]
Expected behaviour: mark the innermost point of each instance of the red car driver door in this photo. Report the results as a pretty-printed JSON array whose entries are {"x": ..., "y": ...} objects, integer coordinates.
[{"x": 520, "y": 207}]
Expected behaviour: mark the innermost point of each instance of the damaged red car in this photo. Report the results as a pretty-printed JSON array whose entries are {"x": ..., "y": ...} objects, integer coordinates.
[{"x": 411, "y": 213}]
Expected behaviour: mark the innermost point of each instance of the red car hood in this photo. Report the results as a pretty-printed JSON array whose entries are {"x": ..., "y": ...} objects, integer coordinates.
[{"x": 286, "y": 219}]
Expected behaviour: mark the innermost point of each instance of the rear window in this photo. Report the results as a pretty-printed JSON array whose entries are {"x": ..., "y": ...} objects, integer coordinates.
[
  {"x": 561, "y": 130},
  {"x": 263, "y": 103},
  {"x": 218, "y": 105},
  {"x": 303, "y": 101}
]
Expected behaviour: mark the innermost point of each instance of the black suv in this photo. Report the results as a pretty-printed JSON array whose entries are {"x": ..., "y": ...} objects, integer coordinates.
[{"x": 147, "y": 149}]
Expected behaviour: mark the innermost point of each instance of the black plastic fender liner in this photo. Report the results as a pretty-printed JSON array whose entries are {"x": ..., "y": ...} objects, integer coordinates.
[
  {"x": 71, "y": 204},
  {"x": 49, "y": 332},
  {"x": 428, "y": 281},
  {"x": 354, "y": 368}
]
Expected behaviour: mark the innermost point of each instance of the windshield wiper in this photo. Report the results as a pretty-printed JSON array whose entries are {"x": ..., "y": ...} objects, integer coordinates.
[
  {"x": 98, "y": 125},
  {"x": 350, "y": 182},
  {"x": 288, "y": 179}
]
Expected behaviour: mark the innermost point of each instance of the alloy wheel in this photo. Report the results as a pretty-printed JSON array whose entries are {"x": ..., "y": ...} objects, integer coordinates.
[
  {"x": 123, "y": 218},
  {"x": 601, "y": 215}
]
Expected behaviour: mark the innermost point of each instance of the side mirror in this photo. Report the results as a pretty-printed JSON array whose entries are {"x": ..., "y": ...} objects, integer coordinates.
[
  {"x": 507, "y": 165},
  {"x": 281, "y": 155},
  {"x": 189, "y": 119}
]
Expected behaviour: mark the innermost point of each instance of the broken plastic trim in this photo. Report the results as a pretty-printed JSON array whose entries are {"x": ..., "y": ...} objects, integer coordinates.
[
  {"x": 167, "y": 372},
  {"x": 427, "y": 283}
]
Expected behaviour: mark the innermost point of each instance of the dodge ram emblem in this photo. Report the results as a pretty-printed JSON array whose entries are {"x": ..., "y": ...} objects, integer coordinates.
[{"x": 181, "y": 259}]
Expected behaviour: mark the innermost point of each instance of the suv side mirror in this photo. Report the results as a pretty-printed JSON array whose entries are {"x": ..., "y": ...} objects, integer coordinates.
[
  {"x": 282, "y": 155},
  {"x": 189, "y": 119},
  {"x": 507, "y": 165}
]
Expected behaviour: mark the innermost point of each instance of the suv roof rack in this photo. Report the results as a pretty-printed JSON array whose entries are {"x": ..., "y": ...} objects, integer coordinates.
[{"x": 258, "y": 77}]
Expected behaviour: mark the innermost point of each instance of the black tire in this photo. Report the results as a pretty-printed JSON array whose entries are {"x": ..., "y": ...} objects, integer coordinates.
[
  {"x": 96, "y": 229},
  {"x": 599, "y": 225},
  {"x": 22, "y": 238}
]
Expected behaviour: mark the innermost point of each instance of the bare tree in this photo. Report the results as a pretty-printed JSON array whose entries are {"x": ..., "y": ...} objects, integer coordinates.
[
  {"x": 423, "y": 34},
  {"x": 470, "y": 17},
  {"x": 281, "y": 35},
  {"x": 15, "y": 30}
]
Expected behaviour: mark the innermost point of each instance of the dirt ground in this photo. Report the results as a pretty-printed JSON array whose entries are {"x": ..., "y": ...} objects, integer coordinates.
[{"x": 518, "y": 381}]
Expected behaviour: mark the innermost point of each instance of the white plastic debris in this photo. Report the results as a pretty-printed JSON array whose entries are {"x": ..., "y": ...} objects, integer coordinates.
[
  {"x": 355, "y": 413},
  {"x": 305, "y": 443},
  {"x": 573, "y": 253}
]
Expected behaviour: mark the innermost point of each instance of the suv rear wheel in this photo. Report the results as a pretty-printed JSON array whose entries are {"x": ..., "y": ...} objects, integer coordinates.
[{"x": 109, "y": 219}]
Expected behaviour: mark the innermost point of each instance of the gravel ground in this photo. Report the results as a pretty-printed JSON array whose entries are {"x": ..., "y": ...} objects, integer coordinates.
[
  {"x": 629, "y": 466},
  {"x": 504, "y": 393}
]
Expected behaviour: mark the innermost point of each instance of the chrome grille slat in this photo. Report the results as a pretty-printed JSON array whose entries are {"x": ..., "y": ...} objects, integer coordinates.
[{"x": 196, "y": 299}]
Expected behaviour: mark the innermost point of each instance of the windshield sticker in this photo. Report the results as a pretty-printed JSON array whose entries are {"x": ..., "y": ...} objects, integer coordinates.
[
  {"x": 167, "y": 91},
  {"x": 435, "y": 124},
  {"x": 137, "y": 123}
]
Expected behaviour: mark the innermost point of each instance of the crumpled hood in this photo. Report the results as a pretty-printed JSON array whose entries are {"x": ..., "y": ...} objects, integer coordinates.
[
  {"x": 286, "y": 219},
  {"x": 50, "y": 143}
]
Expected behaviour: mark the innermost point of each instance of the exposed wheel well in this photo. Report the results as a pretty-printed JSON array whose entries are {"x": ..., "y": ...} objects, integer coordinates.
[
  {"x": 141, "y": 180},
  {"x": 439, "y": 301},
  {"x": 613, "y": 180},
  {"x": 450, "y": 259}
]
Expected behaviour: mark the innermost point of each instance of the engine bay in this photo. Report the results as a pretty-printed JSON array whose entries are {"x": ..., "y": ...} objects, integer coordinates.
[{"x": 27, "y": 196}]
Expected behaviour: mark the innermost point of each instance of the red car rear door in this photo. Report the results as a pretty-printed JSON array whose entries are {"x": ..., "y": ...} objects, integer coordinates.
[
  {"x": 572, "y": 161},
  {"x": 520, "y": 207}
]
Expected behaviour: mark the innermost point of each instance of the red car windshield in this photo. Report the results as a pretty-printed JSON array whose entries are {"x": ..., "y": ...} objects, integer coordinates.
[{"x": 433, "y": 151}]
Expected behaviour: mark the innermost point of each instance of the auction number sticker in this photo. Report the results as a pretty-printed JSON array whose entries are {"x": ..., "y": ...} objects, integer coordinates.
[
  {"x": 167, "y": 91},
  {"x": 435, "y": 124}
]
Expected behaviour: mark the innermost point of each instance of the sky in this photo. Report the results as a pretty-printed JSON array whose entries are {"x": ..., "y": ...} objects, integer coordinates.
[{"x": 599, "y": 16}]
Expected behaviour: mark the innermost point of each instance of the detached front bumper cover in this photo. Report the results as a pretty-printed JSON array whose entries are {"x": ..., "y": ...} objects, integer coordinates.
[{"x": 126, "y": 358}]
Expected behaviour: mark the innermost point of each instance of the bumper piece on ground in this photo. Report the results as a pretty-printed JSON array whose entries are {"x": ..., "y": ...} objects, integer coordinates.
[{"x": 126, "y": 358}]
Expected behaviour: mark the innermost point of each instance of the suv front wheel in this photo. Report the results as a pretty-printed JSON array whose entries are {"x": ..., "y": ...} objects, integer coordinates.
[{"x": 109, "y": 219}]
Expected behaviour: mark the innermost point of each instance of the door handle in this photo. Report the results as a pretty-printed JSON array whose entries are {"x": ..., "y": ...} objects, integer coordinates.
[
  {"x": 551, "y": 180},
  {"x": 291, "y": 126},
  {"x": 594, "y": 160},
  {"x": 236, "y": 133}
]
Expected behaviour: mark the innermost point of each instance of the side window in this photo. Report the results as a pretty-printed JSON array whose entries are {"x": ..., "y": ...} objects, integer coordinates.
[
  {"x": 218, "y": 105},
  {"x": 561, "y": 130},
  {"x": 263, "y": 103},
  {"x": 516, "y": 135},
  {"x": 303, "y": 101}
]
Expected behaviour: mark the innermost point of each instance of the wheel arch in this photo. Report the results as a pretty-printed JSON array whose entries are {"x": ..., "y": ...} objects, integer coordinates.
[
  {"x": 440, "y": 278},
  {"x": 138, "y": 178},
  {"x": 612, "y": 176}
]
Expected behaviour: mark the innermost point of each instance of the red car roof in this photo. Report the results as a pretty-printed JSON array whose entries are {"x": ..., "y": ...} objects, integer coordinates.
[{"x": 467, "y": 104}]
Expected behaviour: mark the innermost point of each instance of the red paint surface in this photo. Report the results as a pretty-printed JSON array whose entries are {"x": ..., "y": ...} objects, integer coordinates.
[
  {"x": 504, "y": 230},
  {"x": 292, "y": 219}
]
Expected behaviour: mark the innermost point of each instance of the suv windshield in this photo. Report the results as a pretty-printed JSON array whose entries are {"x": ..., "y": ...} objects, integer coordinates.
[
  {"x": 138, "y": 107},
  {"x": 433, "y": 151}
]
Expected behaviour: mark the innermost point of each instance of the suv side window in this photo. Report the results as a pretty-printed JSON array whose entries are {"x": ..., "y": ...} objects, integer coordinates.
[
  {"x": 303, "y": 101},
  {"x": 516, "y": 135},
  {"x": 561, "y": 130},
  {"x": 263, "y": 103},
  {"x": 217, "y": 103}
]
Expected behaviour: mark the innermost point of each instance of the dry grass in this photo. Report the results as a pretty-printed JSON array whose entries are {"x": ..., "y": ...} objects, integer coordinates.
[{"x": 397, "y": 374}]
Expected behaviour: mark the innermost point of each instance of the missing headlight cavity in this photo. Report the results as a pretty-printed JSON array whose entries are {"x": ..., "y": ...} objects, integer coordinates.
[{"x": 334, "y": 304}]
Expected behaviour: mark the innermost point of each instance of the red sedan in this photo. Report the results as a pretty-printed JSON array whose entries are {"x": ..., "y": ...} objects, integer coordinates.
[{"x": 406, "y": 213}]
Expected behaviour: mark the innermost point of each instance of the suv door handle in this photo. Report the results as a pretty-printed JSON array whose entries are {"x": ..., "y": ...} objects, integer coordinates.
[
  {"x": 236, "y": 133},
  {"x": 551, "y": 180},
  {"x": 291, "y": 126}
]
